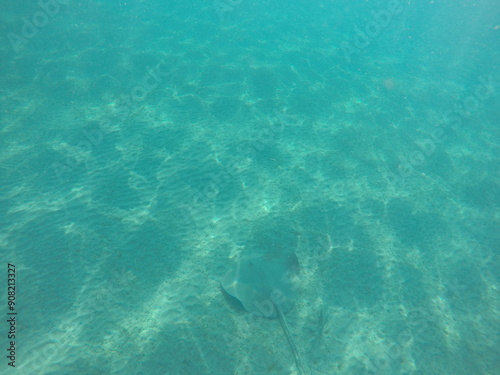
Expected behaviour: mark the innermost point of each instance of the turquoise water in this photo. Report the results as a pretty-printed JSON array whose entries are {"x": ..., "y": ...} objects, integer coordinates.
[{"x": 145, "y": 146}]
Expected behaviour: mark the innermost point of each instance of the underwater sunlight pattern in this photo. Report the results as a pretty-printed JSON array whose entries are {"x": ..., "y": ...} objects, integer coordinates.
[{"x": 236, "y": 187}]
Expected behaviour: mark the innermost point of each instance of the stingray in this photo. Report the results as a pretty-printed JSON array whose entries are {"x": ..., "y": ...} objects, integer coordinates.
[{"x": 265, "y": 286}]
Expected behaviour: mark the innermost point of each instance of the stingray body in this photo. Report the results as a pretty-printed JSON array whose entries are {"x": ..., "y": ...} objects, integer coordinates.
[{"x": 265, "y": 286}]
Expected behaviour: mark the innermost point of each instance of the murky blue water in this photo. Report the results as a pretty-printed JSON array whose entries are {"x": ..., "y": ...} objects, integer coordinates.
[{"x": 146, "y": 145}]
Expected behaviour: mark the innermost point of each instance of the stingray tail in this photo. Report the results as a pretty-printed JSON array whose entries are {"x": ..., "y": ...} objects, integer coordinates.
[{"x": 296, "y": 356}]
